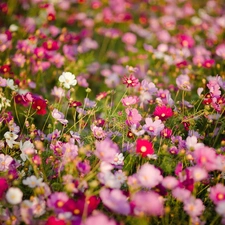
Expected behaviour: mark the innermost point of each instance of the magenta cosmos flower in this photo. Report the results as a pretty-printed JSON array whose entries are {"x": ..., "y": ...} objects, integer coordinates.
[{"x": 163, "y": 112}]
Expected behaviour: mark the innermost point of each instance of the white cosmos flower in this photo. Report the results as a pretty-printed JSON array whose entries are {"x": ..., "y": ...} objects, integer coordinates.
[
  {"x": 33, "y": 181},
  {"x": 68, "y": 79},
  {"x": 14, "y": 195},
  {"x": 10, "y": 138}
]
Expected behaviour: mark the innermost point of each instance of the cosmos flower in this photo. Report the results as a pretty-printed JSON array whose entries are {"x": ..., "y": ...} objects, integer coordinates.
[
  {"x": 130, "y": 81},
  {"x": 144, "y": 147},
  {"x": 59, "y": 116},
  {"x": 149, "y": 176},
  {"x": 163, "y": 112},
  {"x": 106, "y": 150},
  {"x": 67, "y": 79},
  {"x": 115, "y": 200},
  {"x": 149, "y": 203},
  {"x": 32, "y": 181},
  {"x": 14, "y": 195},
  {"x": 153, "y": 128}
]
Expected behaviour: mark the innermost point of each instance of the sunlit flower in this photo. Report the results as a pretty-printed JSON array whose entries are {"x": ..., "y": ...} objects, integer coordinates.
[
  {"x": 144, "y": 147},
  {"x": 14, "y": 195},
  {"x": 32, "y": 181},
  {"x": 67, "y": 79}
]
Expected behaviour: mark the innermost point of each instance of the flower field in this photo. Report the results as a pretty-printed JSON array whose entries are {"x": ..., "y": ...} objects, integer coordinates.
[{"x": 112, "y": 112}]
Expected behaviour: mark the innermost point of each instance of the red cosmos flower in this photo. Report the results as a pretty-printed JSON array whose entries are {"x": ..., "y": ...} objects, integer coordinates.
[
  {"x": 144, "y": 147},
  {"x": 74, "y": 104},
  {"x": 5, "y": 69},
  {"x": 54, "y": 221},
  {"x": 39, "y": 105},
  {"x": 163, "y": 112},
  {"x": 51, "y": 45},
  {"x": 130, "y": 81}
]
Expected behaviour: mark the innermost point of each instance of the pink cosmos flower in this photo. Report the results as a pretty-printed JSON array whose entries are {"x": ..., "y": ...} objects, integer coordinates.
[
  {"x": 194, "y": 207},
  {"x": 192, "y": 143},
  {"x": 170, "y": 182},
  {"x": 198, "y": 173},
  {"x": 205, "y": 157},
  {"x": 99, "y": 219},
  {"x": 59, "y": 116},
  {"x": 153, "y": 128},
  {"x": 5, "y": 162},
  {"x": 149, "y": 176},
  {"x": 181, "y": 194},
  {"x": 183, "y": 82},
  {"x": 129, "y": 38},
  {"x": 106, "y": 150},
  {"x": 220, "y": 50},
  {"x": 149, "y": 203},
  {"x": 129, "y": 100},
  {"x": 115, "y": 200},
  {"x": 133, "y": 116},
  {"x": 19, "y": 59},
  {"x": 163, "y": 112},
  {"x": 130, "y": 81},
  {"x": 217, "y": 193}
]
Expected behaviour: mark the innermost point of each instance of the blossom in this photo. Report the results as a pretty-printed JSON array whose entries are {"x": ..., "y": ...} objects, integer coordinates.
[
  {"x": 14, "y": 195},
  {"x": 133, "y": 116},
  {"x": 170, "y": 182},
  {"x": 149, "y": 203},
  {"x": 192, "y": 143},
  {"x": 4, "y": 186},
  {"x": 39, "y": 105},
  {"x": 205, "y": 157},
  {"x": 5, "y": 162},
  {"x": 153, "y": 128},
  {"x": 144, "y": 147},
  {"x": 118, "y": 159},
  {"x": 67, "y": 79},
  {"x": 129, "y": 100},
  {"x": 149, "y": 176},
  {"x": 194, "y": 207},
  {"x": 99, "y": 219},
  {"x": 52, "y": 220},
  {"x": 10, "y": 138},
  {"x": 24, "y": 147},
  {"x": 106, "y": 150},
  {"x": 59, "y": 116},
  {"x": 183, "y": 82},
  {"x": 130, "y": 81},
  {"x": 217, "y": 193},
  {"x": 32, "y": 181},
  {"x": 115, "y": 200},
  {"x": 163, "y": 112},
  {"x": 129, "y": 38},
  {"x": 220, "y": 50},
  {"x": 199, "y": 173}
]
